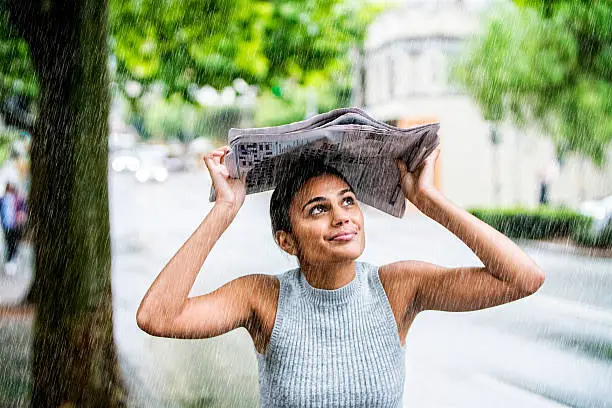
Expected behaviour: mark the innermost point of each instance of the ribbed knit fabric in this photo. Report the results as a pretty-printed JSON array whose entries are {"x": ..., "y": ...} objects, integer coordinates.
[{"x": 333, "y": 348}]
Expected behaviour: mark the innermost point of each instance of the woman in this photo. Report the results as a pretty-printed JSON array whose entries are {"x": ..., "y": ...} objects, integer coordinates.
[{"x": 331, "y": 332}]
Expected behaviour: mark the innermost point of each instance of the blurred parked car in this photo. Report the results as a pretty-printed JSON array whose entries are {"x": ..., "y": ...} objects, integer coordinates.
[
  {"x": 125, "y": 159},
  {"x": 153, "y": 164},
  {"x": 600, "y": 210}
]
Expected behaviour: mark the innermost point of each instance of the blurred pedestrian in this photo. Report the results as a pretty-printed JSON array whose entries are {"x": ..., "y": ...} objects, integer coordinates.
[
  {"x": 13, "y": 217},
  {"x": 546, "y": 176}
]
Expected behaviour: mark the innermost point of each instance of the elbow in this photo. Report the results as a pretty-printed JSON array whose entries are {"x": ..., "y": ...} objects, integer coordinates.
[
  {"x": 142, "y": 321},
  {"x": 146, "y": 323},
  {"x": 534, "y": 281}
]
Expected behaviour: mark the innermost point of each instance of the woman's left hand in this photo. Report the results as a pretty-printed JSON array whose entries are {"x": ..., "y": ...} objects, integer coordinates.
[{"x": 420, "y": 183}]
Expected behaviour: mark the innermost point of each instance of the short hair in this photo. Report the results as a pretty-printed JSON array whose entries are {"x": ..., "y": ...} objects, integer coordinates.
[{"x": 300, "y": 171}]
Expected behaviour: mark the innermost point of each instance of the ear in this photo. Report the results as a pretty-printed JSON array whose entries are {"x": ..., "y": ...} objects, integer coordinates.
[{"x": 286, "y": 242}]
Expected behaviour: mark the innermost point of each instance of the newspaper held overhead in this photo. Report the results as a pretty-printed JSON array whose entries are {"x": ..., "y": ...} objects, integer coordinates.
[{"x": 363, "y": 149}]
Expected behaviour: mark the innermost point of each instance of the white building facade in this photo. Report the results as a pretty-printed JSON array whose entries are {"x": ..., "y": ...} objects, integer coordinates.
[{"x": 404, "y": 81}]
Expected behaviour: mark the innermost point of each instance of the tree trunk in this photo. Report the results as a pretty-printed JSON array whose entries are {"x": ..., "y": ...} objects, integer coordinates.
[{"x": 74, "y": 357}]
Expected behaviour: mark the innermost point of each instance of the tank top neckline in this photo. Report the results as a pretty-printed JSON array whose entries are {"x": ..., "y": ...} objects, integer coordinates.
[{"x": 331, "y": 297}]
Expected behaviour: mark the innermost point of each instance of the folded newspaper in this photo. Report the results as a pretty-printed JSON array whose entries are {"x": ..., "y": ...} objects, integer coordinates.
[{"x": 363, "y": 149}]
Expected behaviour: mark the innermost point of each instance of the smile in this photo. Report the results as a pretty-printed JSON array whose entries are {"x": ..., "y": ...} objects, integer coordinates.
[{"x": 344, "y": 237}]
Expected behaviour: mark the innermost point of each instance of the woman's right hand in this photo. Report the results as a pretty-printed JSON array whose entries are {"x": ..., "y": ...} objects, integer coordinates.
[{"x": 228, "y": 191}]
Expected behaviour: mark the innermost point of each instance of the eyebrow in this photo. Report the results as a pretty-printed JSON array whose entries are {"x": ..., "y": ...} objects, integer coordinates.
[{"x": 316, "y": 199}]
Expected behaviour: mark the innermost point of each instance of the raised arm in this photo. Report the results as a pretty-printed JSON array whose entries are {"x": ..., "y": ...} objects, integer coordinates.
[
  {"x": 166, "y": 309},
  {"x": 508, "y": 273}
]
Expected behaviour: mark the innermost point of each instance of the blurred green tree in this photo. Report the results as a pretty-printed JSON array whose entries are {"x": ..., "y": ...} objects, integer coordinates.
[
  {"x": 547, "y": 63},
  {"x": 215, "y": 121},
  {"x": 187, "y": 44},
  {"x": 212, "y": 42}
]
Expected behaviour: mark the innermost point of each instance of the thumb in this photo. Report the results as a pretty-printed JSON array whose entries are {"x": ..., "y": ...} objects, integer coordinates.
[{"x": 401, "y": 166}]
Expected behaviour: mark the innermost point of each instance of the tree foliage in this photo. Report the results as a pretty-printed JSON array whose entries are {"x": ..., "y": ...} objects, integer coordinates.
[
  {"x": 186, "y": 43},
  {"x": 18, "y": 85},
  {"x": 550, "y": 64},
  {"x": 16, "y": 71},
  {"x": 211, "y": 42}
]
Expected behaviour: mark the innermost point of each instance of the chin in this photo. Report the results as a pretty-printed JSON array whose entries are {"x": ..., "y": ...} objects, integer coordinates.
[
  {"x": 337, "y": 255},
  {"x": 325, "y": 253},
  {"x": 347, "y": 254}
]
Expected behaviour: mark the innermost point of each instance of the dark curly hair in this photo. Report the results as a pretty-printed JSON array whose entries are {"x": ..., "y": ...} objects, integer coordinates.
[{"x": 301, "y": 170}]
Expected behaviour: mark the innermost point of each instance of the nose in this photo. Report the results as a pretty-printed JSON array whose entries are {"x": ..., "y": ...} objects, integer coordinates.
[{"x": 340, "y": 216}]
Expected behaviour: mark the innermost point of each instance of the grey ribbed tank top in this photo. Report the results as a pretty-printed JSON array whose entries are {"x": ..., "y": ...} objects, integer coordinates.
[{"x": 333, "y": 348}]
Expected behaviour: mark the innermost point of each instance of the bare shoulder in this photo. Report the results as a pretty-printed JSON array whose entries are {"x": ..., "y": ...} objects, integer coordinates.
[
  {"x": 406, "y": 276},
  {"x": 258, "y": 288},
  {"x": 401, "y": 275}
]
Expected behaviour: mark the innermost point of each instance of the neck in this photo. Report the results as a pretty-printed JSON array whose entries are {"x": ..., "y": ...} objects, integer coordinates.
[{"x": 328, "y": 276}]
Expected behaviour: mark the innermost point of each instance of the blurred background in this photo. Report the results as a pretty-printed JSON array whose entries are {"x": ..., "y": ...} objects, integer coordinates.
[{"x": 107, "y": 107}]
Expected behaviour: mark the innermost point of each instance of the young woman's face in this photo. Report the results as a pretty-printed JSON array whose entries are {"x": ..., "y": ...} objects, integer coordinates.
[{"x": 327, "y": 222}]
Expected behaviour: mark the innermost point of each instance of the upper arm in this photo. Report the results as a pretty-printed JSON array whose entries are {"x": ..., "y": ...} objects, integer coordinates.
[
  {"x": 215, "y": 313},
  {"x": 457, "y": 289}
]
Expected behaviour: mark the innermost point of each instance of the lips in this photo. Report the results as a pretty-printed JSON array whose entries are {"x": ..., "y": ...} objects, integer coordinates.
[{"x": 343, "y": 236}]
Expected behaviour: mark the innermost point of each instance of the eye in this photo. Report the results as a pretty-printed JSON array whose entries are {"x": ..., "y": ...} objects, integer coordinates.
[
  {"x": 317, "y": 209},
  {"x": 349, "y": 199}
]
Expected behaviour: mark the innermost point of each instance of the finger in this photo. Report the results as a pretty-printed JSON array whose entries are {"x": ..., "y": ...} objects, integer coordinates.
[
  {"x": 207, "y": 160},
  {"x": 210, "y": 165},
  {"x": 212, "y": 162},
  {"x": 220, "y": 150},
  {"x": 401, "y": 165}
]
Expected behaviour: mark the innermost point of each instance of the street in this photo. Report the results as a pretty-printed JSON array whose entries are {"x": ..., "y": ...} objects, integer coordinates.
[{"x": 551, "y": 349}]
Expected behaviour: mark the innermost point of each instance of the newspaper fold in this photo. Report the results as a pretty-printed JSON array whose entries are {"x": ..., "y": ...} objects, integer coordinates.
[{"x": 359, "y": 146}]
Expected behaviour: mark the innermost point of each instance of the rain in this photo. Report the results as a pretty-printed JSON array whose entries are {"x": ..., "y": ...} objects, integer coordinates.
[{"x": 109, "y": 112}]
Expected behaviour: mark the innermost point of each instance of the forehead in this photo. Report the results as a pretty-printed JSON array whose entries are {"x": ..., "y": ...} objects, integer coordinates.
[{"x": 320, "y": 186}]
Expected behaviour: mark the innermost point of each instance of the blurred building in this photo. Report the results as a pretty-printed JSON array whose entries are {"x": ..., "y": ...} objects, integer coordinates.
[{"x": 403, "y": 80}]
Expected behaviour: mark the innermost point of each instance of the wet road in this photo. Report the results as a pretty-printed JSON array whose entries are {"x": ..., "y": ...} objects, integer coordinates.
[{"x": 552, "y": 349}]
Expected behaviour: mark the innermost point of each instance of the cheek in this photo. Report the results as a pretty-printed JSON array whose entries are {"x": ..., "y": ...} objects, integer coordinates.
[
  {"x": 309, "y": 235},
  {"x": 317, "y": 231},
  {"x": 312, "y": 236},
  {"x": 357, "y": 218}
]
